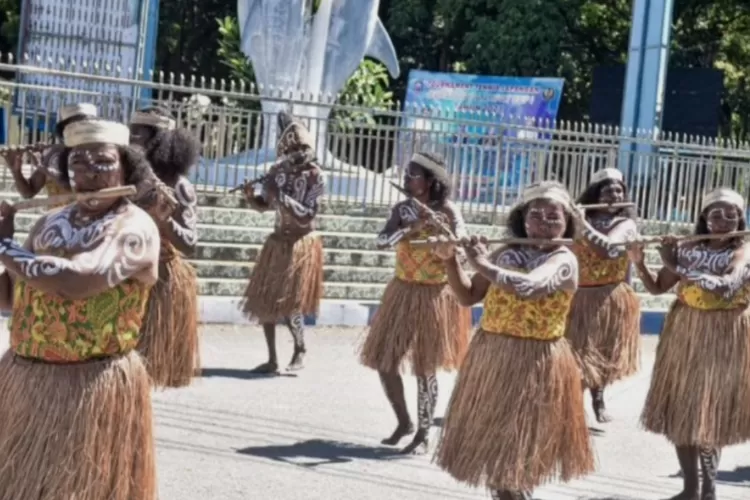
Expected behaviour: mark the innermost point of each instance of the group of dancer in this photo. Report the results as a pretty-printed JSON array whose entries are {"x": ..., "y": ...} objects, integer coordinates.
[
  {"x": 104, "y": 305},
  {"x": 104, "y": 308},
  {"x": 559, "y": 318}
]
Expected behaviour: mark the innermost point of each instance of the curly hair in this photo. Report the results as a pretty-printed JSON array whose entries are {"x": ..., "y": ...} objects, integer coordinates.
[
  {"x": 172, "y": 153},
  {"x": 440, "y": 183},
  {"x": 134, "y": 163},
  {"x": 701, "y": 227},
  {"x": 517, "y": 225},
  {"x": 592, "y": 196}
]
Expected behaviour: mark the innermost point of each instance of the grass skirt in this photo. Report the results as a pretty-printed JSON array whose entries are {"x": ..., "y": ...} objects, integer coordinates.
[
  {"x": 516, "y": 418},
  {"x": 424, "y": 323},
  {"x": 287, "y": 279},
  {"x": 604, "y": 332},
  {"x": 76, "y": 431},
  {"x": 169, "y": 336},
  {"x": 700, "y": 388}
]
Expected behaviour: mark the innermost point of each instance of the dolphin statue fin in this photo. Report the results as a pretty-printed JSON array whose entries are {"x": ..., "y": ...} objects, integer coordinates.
[
  {"x": 381, "y": 48},
  {"x": 247, "y": 17}
]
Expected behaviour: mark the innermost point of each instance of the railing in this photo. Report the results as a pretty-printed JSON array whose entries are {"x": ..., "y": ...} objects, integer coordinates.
[{"x": 668, "y": 173}]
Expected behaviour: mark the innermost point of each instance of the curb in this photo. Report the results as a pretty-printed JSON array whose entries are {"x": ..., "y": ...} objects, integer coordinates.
[{"x": 225, "y": 310}]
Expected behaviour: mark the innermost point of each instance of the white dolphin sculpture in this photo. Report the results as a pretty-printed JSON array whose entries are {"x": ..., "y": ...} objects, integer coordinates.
[
  {"x": 291, "y": 49},
  {"x": 343, "y": 32},
  {"x": 273, "y": 35}
]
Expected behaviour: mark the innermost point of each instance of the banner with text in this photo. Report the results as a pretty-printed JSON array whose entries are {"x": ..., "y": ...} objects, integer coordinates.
[{"x": 482, "y": 125}]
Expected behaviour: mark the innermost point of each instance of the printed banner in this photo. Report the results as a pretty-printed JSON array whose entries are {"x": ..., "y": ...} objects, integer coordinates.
[{"x": 462, "y": 116}]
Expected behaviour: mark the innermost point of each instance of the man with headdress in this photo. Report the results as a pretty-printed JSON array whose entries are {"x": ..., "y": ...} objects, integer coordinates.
[
  {"x": 46, "y": 157},
  {"x": 287, "y": 280},
  {"x": 169, "y": 340}
]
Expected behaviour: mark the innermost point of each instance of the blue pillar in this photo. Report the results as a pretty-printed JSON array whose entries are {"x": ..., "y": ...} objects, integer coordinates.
[{"x": 645, "y": 77}]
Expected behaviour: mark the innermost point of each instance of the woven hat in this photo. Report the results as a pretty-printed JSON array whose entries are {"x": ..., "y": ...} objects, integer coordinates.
[{"x": 294, "y": 136}]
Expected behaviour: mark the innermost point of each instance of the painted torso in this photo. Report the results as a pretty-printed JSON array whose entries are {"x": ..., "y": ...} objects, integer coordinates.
[
  {"x": 305, "y": 185},
  {"x": 703, "y": 259}
]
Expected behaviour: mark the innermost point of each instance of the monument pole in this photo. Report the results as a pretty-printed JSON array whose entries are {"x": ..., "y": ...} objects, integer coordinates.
[{"x": 645, "y": 79}]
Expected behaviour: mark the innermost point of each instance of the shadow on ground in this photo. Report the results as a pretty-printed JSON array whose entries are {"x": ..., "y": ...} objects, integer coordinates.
[
  {"x": 241, "y": 374},
  {"x": 738, "y": 475},
  {"x": 317, "y": 452}
]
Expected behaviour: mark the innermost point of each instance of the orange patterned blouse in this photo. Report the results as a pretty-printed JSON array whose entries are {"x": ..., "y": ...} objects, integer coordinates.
[
  {"x": 419, "y": 265},
  {"x": 51, "y": 328}
]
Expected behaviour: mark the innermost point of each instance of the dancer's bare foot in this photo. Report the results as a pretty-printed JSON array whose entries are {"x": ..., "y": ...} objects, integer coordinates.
[
  {"x": 418, "y": 446},
  {"x": 687, "y": 495},
  {"x": 269, "y": 368},
  {"x": 298, "y": 361},
  {"x": 401, "y": 432},
  {"x": 602, "y": 416}
]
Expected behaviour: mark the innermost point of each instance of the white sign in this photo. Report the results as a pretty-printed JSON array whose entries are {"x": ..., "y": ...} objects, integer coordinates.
[{"x": 75, "y": 32}]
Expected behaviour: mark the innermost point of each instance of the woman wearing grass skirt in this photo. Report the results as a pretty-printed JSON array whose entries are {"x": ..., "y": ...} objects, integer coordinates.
[
  {"x": 419, "y": 317},
  {"x": 169, "y": 342},
  {"x": 516, "y": 418},
  {"x": 603, "y": 325},
  {"x": 286, "y": 283},
  {"x": 700, "y": 388},
  {"x": 46, "y": 157},
  {"x": 75, "y": 399}
]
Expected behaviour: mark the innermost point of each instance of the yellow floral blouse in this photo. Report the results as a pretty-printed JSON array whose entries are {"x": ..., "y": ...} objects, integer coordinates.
[
  {"x": 543, "y": 318},
  {"x": 696, "y": 297},
  {"x": 593, "y": 270},
  {"x": 48, "y": 327}
]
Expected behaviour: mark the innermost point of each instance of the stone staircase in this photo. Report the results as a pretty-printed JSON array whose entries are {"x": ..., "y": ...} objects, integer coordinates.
[{"x": 356, "y": 272}]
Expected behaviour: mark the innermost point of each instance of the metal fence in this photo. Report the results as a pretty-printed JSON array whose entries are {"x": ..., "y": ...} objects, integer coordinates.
[{"x": 364, "y": 148}]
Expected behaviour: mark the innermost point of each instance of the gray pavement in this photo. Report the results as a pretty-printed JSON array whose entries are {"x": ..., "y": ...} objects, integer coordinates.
[{"x": 316, "y": 436}]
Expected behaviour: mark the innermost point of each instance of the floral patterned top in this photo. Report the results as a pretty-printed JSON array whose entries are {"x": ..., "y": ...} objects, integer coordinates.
[
  {"x": 543, "y": 319},
  {"x": 696, "y": 297},
  {"x": 417, "y": 264},
  {"x": 593, "y": 270},
  {"x": 50, "y": 328}
]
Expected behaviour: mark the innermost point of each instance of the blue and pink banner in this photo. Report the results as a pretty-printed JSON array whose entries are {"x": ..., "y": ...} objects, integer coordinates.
[{"x": 468, "y": 115}]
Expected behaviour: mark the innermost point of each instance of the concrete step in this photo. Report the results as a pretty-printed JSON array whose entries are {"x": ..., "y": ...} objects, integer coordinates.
[
  {"x": 241, "y": 219},
  {"x": 219, "y": 202},
  {"x": 235, "y": 287},
  {"x": 332, "y": 273}
]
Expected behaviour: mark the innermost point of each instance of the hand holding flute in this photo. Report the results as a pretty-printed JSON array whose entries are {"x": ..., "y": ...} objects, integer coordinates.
[{"x": 8, "y": 211}]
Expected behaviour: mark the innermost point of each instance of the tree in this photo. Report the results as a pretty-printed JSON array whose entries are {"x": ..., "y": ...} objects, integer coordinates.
[{"x": 10, "y": 17}]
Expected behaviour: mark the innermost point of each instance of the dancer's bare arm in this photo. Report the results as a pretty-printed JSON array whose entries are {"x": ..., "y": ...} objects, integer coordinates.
[
  {"x": 132, "y": 252},
  {"x": 181, "y": 228}
]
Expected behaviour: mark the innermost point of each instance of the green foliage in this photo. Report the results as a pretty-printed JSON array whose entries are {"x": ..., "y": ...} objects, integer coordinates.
[
  {"x": 10, "y": 17},
  {"x": 230, "y": 54},
  {"x": 366, "y": 88}
]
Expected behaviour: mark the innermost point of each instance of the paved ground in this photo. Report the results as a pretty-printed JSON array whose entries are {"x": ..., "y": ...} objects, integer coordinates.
[{"x": 316, "y": 436}]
